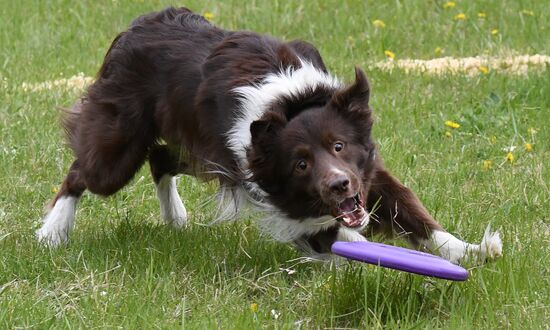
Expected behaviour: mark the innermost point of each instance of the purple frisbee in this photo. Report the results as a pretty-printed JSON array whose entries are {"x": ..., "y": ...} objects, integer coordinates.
[{"x": 401, "y": 259}]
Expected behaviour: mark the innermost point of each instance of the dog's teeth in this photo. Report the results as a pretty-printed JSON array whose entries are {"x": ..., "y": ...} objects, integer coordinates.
[{"x": 346, "y": 219}]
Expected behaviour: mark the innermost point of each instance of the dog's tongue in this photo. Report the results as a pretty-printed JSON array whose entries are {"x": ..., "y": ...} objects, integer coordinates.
[{"x": 348, "y": 205}]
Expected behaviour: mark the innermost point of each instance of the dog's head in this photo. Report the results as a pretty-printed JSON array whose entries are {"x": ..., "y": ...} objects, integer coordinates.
[{"x": 317, "y": 161}]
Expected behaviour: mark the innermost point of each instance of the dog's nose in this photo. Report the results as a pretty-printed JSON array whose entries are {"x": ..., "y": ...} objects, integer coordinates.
[{"x": 339, "y": 184}]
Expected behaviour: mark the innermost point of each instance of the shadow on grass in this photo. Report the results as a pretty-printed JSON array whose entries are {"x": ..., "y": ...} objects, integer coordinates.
[{"x": 234, "y": 256}]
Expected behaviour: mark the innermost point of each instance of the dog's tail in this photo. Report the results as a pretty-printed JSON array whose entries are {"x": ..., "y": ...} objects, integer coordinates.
[{"x": 69, "y": 121}]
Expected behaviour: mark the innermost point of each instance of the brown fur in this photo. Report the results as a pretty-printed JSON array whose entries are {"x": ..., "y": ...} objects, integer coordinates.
[{"x": 170, "y": 78}]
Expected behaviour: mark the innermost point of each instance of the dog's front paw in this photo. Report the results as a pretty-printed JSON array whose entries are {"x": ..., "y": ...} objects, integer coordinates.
[
  {"x": 172, "y": 210},
  {"x": 491, "y": 245},
  {"x": 488, "y": 250},
  {"x": 460, "y": 252},
  {"x": 174, "y": 213}
]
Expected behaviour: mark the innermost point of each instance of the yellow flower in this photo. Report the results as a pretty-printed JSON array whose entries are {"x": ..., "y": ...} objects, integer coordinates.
[
  {"x": 493, "y": 139},
  {"x": 448, "y": 134},
  {"x": 449, "y": 4},
  {"x": 452, "y": 124},
  {"x": 55, "y": 189},
  {"x": 528, "y": 147},
  {"x": 389, "y": 54},
  {"x": 487, "y": 164},
  {"x": 510, "y": 157},
  {"x": 254, "y": 307},
  {"x": 532, "y": 131},
  {"x": 528, "y": 12},
  {"x": 481, "y": 14},
  {"x": 208, "y": 15},
  {"x": 460, "y": 17},
  {"x": 378, "y": 23},
  {"x": 438, "y": 51},
  {"x": 483, "y": 69},
  {"x": 494, "y": 32}
]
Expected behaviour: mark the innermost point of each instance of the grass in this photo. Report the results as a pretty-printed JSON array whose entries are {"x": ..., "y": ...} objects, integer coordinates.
[{"x": 123, "y": 269}]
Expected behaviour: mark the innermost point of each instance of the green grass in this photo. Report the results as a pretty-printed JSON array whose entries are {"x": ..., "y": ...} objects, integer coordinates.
[{"x": 123, "y": 269}]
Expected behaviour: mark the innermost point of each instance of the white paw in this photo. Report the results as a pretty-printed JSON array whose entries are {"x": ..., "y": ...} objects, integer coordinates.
[
  {"x": 458, "y": 251},
  {"x": 174, "y": 213},
  {"x": 58, "y": 223},
  {"x": 172, "y": 210},
  {"x": 491, "y": 245},
  {"x": 51, "y": 237}
]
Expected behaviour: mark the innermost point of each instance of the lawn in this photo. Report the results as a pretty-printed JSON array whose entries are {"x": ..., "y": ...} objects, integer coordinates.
[{"x": 123, "y": 268}]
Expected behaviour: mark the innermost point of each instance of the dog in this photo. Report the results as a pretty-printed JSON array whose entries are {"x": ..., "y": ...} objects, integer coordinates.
[{"x": 261, "y": 116}]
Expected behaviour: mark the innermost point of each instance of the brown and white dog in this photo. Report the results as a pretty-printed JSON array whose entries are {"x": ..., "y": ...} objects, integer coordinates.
[{"x": 262, "y": 116}]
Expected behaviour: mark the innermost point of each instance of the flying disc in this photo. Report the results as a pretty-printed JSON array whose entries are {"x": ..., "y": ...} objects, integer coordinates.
[{"x": 401, "y": 259}]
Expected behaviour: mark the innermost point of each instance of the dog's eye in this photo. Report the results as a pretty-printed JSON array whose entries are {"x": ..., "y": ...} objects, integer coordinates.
[
  {"x": 301, "y": 165},
  {"x": 338, "y": 146}
]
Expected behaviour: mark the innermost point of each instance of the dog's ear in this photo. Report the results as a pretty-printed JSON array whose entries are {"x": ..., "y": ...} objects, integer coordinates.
[
  {"x": 287, "y": 57},
  {"x": 266, "y": 127},
  {"x": 352, "y": 102},
  {"x": 262, "y": 154},
  {"x": 354, "y": 97}
]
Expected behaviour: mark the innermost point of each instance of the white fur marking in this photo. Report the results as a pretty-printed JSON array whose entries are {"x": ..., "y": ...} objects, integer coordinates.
[
  {"x": 456, "y": 251},
  {"x": 231, "y": 200},
  {"x": 58, "y": 222},
  {"x": 349, "y": 235},
  {"x": 255, "y": 100},
  {"x": 172, "y": 210},
  {"x": 284, "y": 229}
]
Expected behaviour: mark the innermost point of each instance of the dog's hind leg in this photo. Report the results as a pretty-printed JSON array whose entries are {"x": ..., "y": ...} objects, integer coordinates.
[
  {"x": 164, "y": 168},
  {"x": 109, "y": 147},
  {"x": 59, "y": 221}
]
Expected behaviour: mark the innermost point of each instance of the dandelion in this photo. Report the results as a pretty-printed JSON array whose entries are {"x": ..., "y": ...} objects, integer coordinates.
[
  {"x": 487, "y": 164},
  {"x": 483, "y": 69},
  {"x": 494, "y": 32},
  {"x": 452, "y": 124},
  {"x": 528, "y": 147},
  {"x": 493, "y": 139},
  {"x": 460, "y": 17},
  {"x": 208, "y": 15},
  {"x": 532, "y": 131},
  {"x": 510, "y": 157},
  {"x": 254, "y": 307},
  {"x": 378, "y": 23},
  {"x": 449, "y": 4},
  {"x": 481, "y": 15},
  {"x": 55, "y": 190},
  {"x": 389, "y": 54},
  {"x": 438, "y": 51},
  {"x": 528, "y": 12},
  {"x": 448, "y": 134}
]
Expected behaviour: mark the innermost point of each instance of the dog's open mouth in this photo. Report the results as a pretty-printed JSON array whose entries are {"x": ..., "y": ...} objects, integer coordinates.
[{"x": 351, "y": 212}]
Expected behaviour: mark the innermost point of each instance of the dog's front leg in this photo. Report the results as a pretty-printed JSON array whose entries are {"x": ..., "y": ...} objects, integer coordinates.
[{"x": 398, "y": 209}]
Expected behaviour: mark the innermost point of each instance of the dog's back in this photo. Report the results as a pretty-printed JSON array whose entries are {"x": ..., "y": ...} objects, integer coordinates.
[{"x": 158, "y": 59}]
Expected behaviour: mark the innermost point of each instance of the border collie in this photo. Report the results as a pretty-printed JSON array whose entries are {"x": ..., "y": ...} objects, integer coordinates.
[{"x": 262, "y": 116}]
